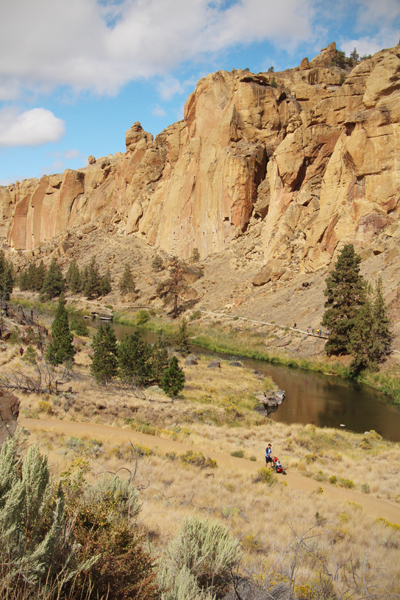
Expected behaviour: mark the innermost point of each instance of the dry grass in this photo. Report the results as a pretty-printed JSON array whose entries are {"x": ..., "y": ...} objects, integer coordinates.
[{"x": 342, "y": 544}]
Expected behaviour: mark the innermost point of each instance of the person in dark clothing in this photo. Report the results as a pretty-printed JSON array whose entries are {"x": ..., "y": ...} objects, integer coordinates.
[{"x": 268, "y": 457}]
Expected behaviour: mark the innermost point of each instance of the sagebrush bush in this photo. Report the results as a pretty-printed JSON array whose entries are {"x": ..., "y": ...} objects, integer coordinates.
[{"x": 197, "y": 564}]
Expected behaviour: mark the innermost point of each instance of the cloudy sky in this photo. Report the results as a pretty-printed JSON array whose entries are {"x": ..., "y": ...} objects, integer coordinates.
[{"x": 75, "y": 74}]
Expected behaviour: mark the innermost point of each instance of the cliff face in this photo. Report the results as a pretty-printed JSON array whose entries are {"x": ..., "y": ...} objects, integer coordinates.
[{"x": 312, "y": 158}]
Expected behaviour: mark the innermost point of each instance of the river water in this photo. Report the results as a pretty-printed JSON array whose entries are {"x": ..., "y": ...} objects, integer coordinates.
[{"x": 315, "y": 398}]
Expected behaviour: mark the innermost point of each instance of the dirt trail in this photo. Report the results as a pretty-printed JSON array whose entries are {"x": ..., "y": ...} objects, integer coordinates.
[{"x": 375, "y": 507}]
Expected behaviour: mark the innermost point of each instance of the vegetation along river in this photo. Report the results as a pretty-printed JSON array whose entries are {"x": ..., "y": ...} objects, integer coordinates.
[{"x": 314, "y": 398}]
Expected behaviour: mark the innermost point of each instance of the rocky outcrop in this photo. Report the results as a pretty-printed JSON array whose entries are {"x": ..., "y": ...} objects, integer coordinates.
[
  {"x": 311, "y": 157},
  {"x": 9, "y": 411}
]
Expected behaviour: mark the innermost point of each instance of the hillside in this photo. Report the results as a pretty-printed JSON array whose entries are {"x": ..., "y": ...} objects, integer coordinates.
[{"x": 268, "y": 175}]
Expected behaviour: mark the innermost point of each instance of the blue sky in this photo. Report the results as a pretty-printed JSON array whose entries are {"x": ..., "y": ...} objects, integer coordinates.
[{"x": 76, "y": 74}]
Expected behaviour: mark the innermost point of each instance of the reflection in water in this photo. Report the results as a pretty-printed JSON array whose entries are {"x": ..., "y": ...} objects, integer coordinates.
[{"x": 319, "y": 399}]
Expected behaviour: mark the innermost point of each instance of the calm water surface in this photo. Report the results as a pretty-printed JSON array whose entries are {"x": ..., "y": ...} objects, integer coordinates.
[{"x": 314, "y": 398}]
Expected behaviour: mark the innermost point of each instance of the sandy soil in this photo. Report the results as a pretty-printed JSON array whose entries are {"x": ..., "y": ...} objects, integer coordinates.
[{"x": 373, "y": 506}]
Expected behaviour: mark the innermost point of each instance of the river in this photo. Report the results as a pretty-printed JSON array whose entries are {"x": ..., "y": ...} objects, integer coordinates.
[{"x": 315, "y": 398}]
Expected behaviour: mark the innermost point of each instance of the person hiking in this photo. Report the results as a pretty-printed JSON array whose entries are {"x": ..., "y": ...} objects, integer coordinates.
[{"x": 268, "y": 457}]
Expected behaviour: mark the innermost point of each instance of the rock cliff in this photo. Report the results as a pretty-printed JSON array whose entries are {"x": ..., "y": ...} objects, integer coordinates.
[{"x": 310, "y": 154}]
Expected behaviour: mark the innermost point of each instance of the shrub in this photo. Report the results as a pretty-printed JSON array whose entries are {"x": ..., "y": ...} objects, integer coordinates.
[
  {"x": 198, "y": 459},
  {"x": 45, "y": 407},
  {"x": 142, "y": 316},
  {"x": 34, "y": 542},
  {"x": 78, "y": 325},
  {"x": 238, "y": 453},
  {"x": 157, "y": 264},
  {"x": 173, "y": 379},
  {"x": 195, "y": 315},
  {"x": 197, "y": 564},
  {"x": 30, "y": 355},
  {"x": 265, "y": 475},
  {"x": 346, "y": 483},
  {"x": 333, "y": 479},
  {"x": 253, "y": 458},
  {"x": 365, "y": 488}
]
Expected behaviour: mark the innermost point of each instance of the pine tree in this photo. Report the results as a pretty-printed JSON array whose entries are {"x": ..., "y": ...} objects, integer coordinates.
[
  {"x": 30, "y": 275},
  {"x": 92, "y": 280},
  {"x": 159, "y": 360},
  {"x": 134, "y": 359},
  {"x": 127, "y": 283},
  {"x": 78, "y": 324},
  {"x": 346, "y": 293},
  {"x": 104, "y": 360},
  {"x": 23, "y": 281},
  {"x": 361, "y": 340},
  {"x": 39, "y": 277},
  {"x": 53, "y": 284},
  {"x": 182, "y": 339},
  {"x": 106, "y": 283},
  {"x": 6, "y": 277},
  {"x": 60, "y": 349},
  {"x": 381, "y": 330},
  {"x": 74, "y": 278},
  {"x": 173, "y": 379}
]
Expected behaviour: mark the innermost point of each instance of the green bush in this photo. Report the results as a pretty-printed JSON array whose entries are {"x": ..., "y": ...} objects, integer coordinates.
[
  {"x": 333, "y": 479},
  {"x": 238, "y": 453},
  {"x": 197, "y": 565},
  {"x": 142, "y": 316},
  {"x": 365, "y": 488},
  {"x": 346, "y": 483},
  {"x": 198, "y": 459}
]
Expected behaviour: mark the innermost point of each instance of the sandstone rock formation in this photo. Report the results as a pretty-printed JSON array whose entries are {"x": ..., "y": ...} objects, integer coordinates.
[
  {"x": 314, "y": 159},
  {"x": 9, "y": 411}
]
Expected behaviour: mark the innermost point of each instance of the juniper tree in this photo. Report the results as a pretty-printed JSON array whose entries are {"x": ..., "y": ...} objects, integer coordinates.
[
  {"x": 54, "y": 283},
  {"x": 6, "y": 277},
  {"x": 60, "y": 349},
  {"x": 74, "y": 278},
  {"x": 345, "y": 289},
  {"x": 361, "y": 344},
  {"x": 134, "y": 362},
  {"x": 92, "y": 280},
  {"x": 127, "y": 283},
  {"x": 182, "y": 338},
  {"x": 78, "y": 324},
  {"x": 39, "y": 276},
  {"x": 157, "y": 263},
  {"x": 105, "y": 286},
  {"x": 159, "y": 359},
  {"x": 381, "y": 333},
  {"x": 173, "y": 379},
  {"x": 104, "y": 360}
]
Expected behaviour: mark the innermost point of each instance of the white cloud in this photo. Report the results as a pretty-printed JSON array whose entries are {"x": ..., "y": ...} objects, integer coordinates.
[
  {"x": 86, "y": 44},
  {"x": 364, "y": 46},
  {"x": 56, "y": 167},
  {"x": 169, "y": 87},
  {"x": 30, "y": 128},
  {"x": 158, "y": 111},
  {"x": 70, "y": 154}
]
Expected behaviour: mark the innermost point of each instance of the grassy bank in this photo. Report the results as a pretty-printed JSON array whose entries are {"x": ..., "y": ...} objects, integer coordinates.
[{"x": 251, "y": 345}]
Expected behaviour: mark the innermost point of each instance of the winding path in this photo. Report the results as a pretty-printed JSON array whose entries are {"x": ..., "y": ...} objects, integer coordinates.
[{"x": 376, "y": 507}]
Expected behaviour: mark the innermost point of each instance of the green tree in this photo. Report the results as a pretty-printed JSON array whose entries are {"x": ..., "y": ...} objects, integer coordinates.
[
  {"x": 92, "y": 280},
  {"x": 23, "y": 281},
  {"x": 31, "y": 274},
  {"x": 381, "y": 330},
  {"x": 106, "y": 283},
  {"x": 54, "y": 282},
  {"x": 173, "y": 379},
  {"x": 6, "y": 277},
  {"x": 361, "y": 344},
  {"x": 182, "y": 338},
  {"x": 127, "y": 283},
  {"x": 159, "y": 359},
  {"x": 39, "y": 276},
  {"x": 60, "y": 349},
  {"x": 345, "y": 289},
  {"x": 74, "y": 278},
  {"x": 78, "y": 324},
  {"x": 104, "y": 360},
  {"x": 134, "y": 362}
]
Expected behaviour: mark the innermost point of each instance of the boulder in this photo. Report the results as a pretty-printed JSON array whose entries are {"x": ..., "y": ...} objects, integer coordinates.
[
  {"x": 91, "y": 159},
  {"x": 214, "y": 364},
  {"x": 190, "y": 361},
  {"x": 235, "y": 363},
  {"x": 9, "y": 412}
]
